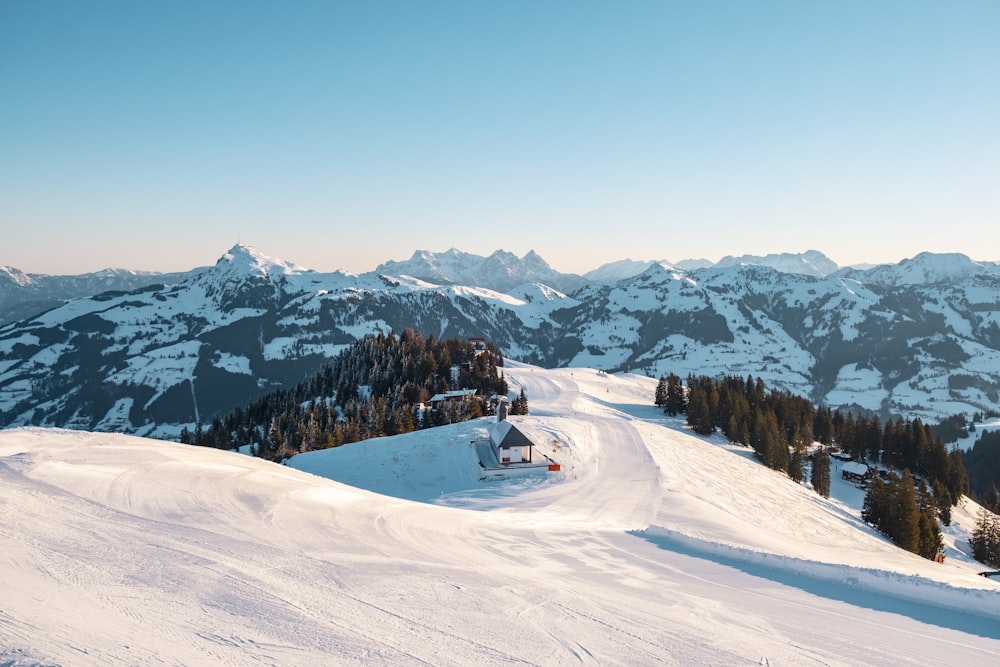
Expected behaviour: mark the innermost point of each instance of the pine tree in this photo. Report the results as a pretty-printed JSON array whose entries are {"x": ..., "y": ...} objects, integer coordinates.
[
  {"x": 991, "y": 499},
  {"x": 958, "y": 480},
  {"x": 904, "y": 515},
  {"x": 820, "y": 476},
  {"x": 796, "y": 463},
  {"x": 985, "y": 540},
  {"x": 929, "y": 542},
  {"x": 875, "y": 507},
  {"x": 660, "y": 398},
  {"x": 699, "y": 417},
  {"x": 675, "y": 402},
  {"x": 275, "y": 439},
  {"x": 823, "y": 426},
  {"x": 475, "y": 410},
  {"x": 943, "y": 501}
]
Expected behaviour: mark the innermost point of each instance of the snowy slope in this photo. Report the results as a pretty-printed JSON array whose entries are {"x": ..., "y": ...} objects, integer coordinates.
[{"x": 649, "y": 547}]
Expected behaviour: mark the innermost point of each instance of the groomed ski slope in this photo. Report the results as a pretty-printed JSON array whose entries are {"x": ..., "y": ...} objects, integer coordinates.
[{"x": 649, "y": 547}]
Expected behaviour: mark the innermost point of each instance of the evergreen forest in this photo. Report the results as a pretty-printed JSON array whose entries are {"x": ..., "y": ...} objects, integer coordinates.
[
  {"x": 920, "y": 481},
  {"x": 377, "y": 386}
]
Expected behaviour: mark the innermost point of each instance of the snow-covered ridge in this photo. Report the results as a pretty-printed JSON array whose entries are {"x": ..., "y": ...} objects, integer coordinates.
[
  {"x": 242, "y": 258},
  {"x": 15, "y": 276},
  {"x": 612, "y": 272},
  {"x": 500, "y": 271},
  {"x": 926, "y": 269}
]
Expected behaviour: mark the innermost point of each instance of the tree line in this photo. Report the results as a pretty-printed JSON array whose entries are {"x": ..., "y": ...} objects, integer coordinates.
[
  {"x": 907, "y": 512},
  {"x": 781, "y": 427},
  {"x": 376, "y": 386}
]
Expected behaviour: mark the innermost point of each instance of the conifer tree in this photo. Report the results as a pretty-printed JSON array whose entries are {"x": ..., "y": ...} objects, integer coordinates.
[
  {"x": 660, "y": 398},
  {"x": 820, "y": 476},
  {"x": 904, "y": 515},
  {"x": 943, "y": 501},
  {"x": 475, "y": 409},
  {"x": 958, "y": 480},
  {"x": 675, "y": 402},
  {"x": 275, "y": 439},
  {"x": 823, "y": 426},
  {"x": 699, "y": 417},
  {"x": 929, "y": 543},
  {"x": 796, "y": 463},
  {"x": 991, "y": 499},
  {"x": 985, "y": 539},
  {"x": 875, "y": 507}
]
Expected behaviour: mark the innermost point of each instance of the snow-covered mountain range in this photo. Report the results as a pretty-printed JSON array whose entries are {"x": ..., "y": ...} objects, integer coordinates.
[
  {"x": 642, "y": 550},
  {"x": 919, "y": 338},
  {"x": 26, "y": 294},
  {"x": 502, "y": 271}
]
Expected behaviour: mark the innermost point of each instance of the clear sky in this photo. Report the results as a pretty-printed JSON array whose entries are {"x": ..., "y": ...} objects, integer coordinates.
[{"x": 337, "y": 135}]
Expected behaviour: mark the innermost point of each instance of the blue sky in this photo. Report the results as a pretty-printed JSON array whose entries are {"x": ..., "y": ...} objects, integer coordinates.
[{"x": 337, "y": 135}]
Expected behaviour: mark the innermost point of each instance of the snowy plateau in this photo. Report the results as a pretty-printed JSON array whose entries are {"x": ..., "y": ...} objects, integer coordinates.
[
  {"x": 649, "y": 546},
  {"x": 920, "y": 338}
]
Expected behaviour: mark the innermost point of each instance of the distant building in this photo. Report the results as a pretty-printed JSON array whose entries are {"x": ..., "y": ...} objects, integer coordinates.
[
  {"x": 509, "y": 444},
  {"x": 854, "y": 471},
  {"x": 440, "y": 401}
]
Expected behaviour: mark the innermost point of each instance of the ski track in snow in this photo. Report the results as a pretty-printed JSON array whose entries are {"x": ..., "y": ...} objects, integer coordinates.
[{"x": 649, "y": 547}]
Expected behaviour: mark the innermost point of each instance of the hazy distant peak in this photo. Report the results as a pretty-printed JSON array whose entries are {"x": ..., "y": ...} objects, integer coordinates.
[
  {"x": 810, "y": 263},
  {"x": 612, "y": 272},
  {"x": 693, "y": 264},
  {"x": 16, "y": 276},
  {"x": 927, "y": 268},
  {"x": 501, "y": 271}
]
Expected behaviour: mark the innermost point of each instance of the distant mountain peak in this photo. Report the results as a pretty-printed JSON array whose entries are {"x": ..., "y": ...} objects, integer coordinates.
[
  {"x": 15, "y": 276},
  {"x": 809, "y": 263},
  {"x": 612, "y": 272},
  {"x": 926, "y": 268},
  {"x": 501, "y": 271},
  {"x": 243, "y": 258}
]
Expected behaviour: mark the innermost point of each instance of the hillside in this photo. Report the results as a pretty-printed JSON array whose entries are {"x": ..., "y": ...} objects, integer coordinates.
[{"x": 650, "y": 546}]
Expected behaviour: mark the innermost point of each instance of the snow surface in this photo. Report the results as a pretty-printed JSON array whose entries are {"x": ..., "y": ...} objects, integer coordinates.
[{"x": 650, "y": 546}]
